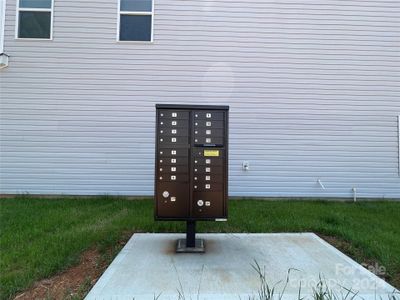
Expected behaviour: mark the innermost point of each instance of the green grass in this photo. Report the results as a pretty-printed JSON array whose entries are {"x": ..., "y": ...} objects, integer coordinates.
[{"x": 40, "y": 237}]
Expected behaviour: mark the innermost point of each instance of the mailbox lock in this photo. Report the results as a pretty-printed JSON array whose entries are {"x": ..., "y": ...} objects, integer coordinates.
[
  {"x": 165, "y": 194},
  {"x": 200, "y": 203}
]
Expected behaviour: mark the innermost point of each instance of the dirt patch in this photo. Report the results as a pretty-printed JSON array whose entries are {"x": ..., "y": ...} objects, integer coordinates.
[
  {"x": 73, "y": 283},
  {"x": 370, "y": 264}
]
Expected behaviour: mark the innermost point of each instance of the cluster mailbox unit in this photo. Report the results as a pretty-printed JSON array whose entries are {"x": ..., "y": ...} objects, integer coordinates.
[{"x": 191, "y": 167}]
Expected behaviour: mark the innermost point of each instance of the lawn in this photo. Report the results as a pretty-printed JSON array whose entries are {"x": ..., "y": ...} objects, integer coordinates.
[{"x": 40, "y": 237}]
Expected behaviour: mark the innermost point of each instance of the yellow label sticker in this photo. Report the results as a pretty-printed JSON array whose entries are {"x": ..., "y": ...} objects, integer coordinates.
[{"x": 211, "y": 152}]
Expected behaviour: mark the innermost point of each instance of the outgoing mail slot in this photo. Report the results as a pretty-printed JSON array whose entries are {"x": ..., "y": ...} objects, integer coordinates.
[{"x": 208, "y": 152}]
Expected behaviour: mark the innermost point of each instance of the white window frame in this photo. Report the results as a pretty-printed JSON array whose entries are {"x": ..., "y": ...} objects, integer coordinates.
[
  {"x": 50, "y": 10},
  {"x": 136, "y": 13}
]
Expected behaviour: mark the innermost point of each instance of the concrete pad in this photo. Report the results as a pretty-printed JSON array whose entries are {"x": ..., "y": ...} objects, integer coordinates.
[{"x": 148, "y": 266}]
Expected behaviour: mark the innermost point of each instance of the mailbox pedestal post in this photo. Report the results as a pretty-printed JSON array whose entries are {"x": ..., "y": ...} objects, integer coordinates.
[
  {"x": 190, "y": 244},
  {"x": 191, "y": 234}
]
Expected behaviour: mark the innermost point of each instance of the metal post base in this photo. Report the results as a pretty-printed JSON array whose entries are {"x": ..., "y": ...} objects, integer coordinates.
[
  {"x": 182, "y": 248},
  {"x": 190, "y": 244}
]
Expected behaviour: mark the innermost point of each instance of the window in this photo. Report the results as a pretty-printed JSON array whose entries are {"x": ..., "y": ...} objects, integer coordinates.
[
  {"x": 34, "y": 19},
  {"x": 135, "y": 20}
]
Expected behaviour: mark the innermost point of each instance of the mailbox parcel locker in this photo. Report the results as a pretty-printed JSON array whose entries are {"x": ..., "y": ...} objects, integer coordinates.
[{"x": 191, "y": 162}]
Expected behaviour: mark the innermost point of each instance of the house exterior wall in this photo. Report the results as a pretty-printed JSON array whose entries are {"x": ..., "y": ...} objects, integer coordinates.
[{"x": 313, "y": 88}]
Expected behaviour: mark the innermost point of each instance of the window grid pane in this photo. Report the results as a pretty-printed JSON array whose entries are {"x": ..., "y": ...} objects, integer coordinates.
[
  {"x": 35, "y": 3},
  {"x": 135, "y": 27},
  {"x": 34, "y": 24},
  {"x": 136, "y": 5}
]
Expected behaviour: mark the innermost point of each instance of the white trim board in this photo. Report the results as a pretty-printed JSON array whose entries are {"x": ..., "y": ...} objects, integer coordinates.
[{"x": 2, "y": 23}]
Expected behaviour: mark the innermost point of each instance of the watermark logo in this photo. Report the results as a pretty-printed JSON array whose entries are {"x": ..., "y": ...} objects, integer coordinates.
[{"x": 375, "y": 268}]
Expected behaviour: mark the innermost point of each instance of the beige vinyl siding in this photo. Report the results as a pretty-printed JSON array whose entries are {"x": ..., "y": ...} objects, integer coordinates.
[{"x": 313, "y": 88}]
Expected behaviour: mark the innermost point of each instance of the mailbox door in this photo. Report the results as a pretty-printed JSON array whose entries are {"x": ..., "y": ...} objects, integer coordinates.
[
  {"x": 172, "y": 188},
  {"x": 209, "y": 164}
]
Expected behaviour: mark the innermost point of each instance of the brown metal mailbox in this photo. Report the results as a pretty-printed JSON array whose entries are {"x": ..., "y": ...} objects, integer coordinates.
[{"x": 191, "y": 167}]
